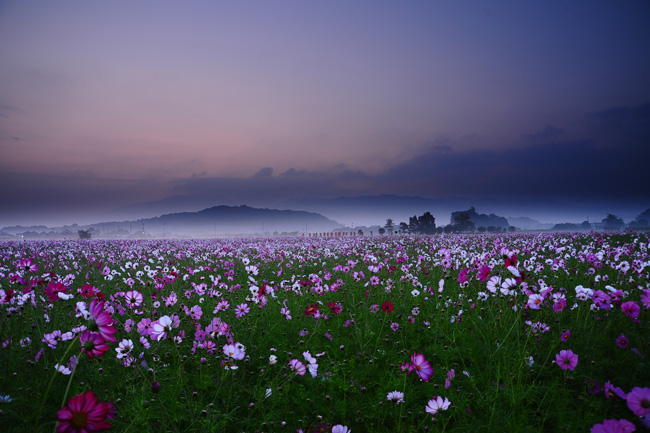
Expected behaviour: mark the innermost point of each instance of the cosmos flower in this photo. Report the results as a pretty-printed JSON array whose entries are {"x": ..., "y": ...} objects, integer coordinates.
[
  {"x": 622, "y": 341},
  {"x": 483, "y": 273},
  {"x": 133, "y": 298},
  {"x": 631, "y": 309},
  {"x": 387, "y": 306},
  {"x": 614, "y": 426},
  {"x": 566, "y": 360},
  {"x": 610, "y": 390},
  {"x": 564, "y": 337},
  {"x": 102, "y": 321},
  {"x": 436, "y": 405},
  {"x": 161, "y": 327},
  {"x": 241, "y": 310},
  {"x": 535, "y": 301},
  {"x": 638, "y": 401},
  {"x": 235, "y": 351},
  {"x": 298, "y": 367},
  {"x": 124, "y": 348},
  {"x": 93, "y": 344},
  {"x": 338, "y": 428},
  {"x": 84, "y": 413},
  {"x": 396, "y": 396},
  {"x": 421, "y": 366}
]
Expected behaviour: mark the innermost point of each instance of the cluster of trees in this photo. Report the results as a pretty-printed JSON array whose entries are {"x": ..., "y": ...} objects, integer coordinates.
[
  {"x": 610, "y": 223},
  {"x": 461, "y": 222}
]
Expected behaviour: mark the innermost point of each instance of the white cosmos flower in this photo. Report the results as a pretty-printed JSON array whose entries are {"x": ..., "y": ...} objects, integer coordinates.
[
  {"x": 124, "y": 348},
  {"x": 437, "y": 404}
]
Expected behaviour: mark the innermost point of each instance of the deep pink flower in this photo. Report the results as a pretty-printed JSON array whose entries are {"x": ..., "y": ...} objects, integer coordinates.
[
  {"x": 564, "y": 337},
  {"x": 53, "y": 289},
  {"x": 566, "y": 360},
  {"x": 103, "y": 322},
  {"x": 614, "y": 426},
  {"x": 484, "y": 273},
  {"x": 631, "y": 309},
  {"x": 92, "y": 344},
  {"x": 638, "y": 400},
  {"x": 559, "y": 305},
  {"x": 421, "y": 366},
  {"x": 463, "y": 275},
  {"x": 84, "y": 413},
  {"x": 611, "y": 390},
  {"x": 622, "y": 341}
]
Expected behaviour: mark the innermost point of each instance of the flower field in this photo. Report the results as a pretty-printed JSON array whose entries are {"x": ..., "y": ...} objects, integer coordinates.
[{"x": 455, "y": 333}]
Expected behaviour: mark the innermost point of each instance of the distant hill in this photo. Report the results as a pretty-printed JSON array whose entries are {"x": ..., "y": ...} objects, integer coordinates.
[{"x": 217, "y": 220}]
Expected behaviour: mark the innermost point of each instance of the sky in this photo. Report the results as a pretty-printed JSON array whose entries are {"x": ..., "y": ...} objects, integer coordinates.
[{"x": 105, "y": 106}]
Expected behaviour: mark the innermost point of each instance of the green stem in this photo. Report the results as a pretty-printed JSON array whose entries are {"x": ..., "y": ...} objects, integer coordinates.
[
  {"x": 49, "y": 385},
  {"x": 67, "y": 388}
]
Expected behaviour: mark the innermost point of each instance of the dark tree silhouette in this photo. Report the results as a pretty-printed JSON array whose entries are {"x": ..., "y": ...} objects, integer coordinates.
[
  {"x": 425, "y": 224},
  {"x": 84, "y": 234},
  {"x": 612, "y": 222}
]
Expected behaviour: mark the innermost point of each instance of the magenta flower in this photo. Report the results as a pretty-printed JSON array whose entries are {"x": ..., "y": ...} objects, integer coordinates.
[
  {"x": 611, "y": 390},
  {"x": 421, "y": 366},
  {"x": 622, "y": 341},
  {"x": 93, "y": 344},
  {"x": 631, "y": 309},
  {"x": 614, "y": 426},
  {"x": 53, "y": 289},
  {"x": 638, "y": 400},
  {"x": 463, "y": 275},
  {"x": 84, "y": 413},
  {"x": 103, "y": 322},
  {"x": 566, "y": 360},
  {"x": 564, "y": 337},
  {"x": 484, "y": 273}
]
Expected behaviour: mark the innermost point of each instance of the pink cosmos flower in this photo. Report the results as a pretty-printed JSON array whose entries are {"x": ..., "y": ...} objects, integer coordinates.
[
  {"x": 638, "y": 400},
  {"x": 298, "y": 367},
  {"x": 463, "y": 276},
  {"x": 93, "y": 344},
  {"x": 102, "y": 321},
  {"x": 559, "y": 305},
  {"x": 241, "y": 310},
  {"x": 235, "y": 351},
  {"x": 564, "y": 337},
  {"x": 161, "y": 327},
  {"x": 645, "y": 298},
  {"x": 484, "y": 273},
  {"x": 610, "y": 390},
  {"x": 631, "y": 309},
  {"x": 84, "y": 413},
  {"x": 622, "y": 341},
  {"x": 614, "y": 426},
  {"x": 53, "y": 289},
  {"x": 421, "y": 366},
  {"x": 338, "y": 428},
  {"x": 566, "y": 360}
]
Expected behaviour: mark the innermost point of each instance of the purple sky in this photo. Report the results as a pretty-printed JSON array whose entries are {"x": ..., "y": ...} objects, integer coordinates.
[{"x": 106, "y": 104}]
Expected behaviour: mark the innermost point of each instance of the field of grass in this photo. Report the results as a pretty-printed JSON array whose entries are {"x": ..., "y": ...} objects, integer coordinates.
[{"x": 517, "y": 333}]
